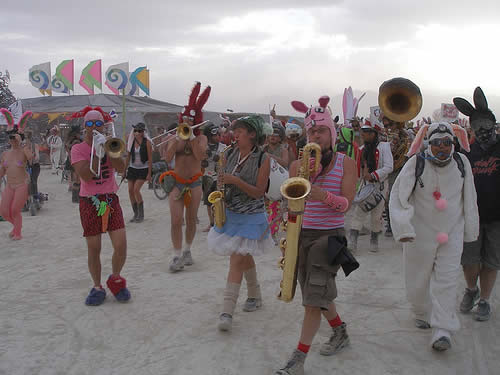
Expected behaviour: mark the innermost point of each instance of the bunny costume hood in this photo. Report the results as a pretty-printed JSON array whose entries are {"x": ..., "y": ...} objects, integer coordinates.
[{"x": 317, "y": 116}]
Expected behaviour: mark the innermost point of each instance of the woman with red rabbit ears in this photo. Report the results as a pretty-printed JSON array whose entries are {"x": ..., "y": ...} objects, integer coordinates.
[
  {"x": 13, "y": 166},
  {"x": 184, "y": 182},
  {"x": 100, "y": 209}
]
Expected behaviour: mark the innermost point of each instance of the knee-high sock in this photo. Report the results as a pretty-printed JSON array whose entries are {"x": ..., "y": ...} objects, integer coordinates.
[
  {"x": 253, "y": 286},
  {"x": 231, "y": 294}
]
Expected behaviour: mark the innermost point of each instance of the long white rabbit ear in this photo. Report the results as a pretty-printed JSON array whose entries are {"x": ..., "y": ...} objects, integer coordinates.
[
  {"x": 416, "y": 145},
  {"x": 357, "y": 104},
  {"x": 461, "y": 134}
]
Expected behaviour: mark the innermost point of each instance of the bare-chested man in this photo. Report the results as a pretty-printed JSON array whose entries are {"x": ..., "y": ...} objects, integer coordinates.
[{"x": 184, "y": 182}]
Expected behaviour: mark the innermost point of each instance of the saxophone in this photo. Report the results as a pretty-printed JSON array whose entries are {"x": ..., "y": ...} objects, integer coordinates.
[
  {"x": 216, "y": 198},
  {"x": 399, "y": 147},
  {"x": 295, "y": 190}
]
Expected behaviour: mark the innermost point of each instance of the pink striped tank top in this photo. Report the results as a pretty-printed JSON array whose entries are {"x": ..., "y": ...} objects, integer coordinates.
[{"x": 317, "y": 215}]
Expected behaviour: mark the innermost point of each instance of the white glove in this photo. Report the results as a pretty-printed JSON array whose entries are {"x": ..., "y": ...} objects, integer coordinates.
[{"x": 99, "y": 141}]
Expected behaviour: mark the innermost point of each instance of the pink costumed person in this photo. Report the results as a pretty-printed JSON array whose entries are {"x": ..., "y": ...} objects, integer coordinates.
[
  {"x": 13, "y": 166},
  {"x": 433, "y": 212}
]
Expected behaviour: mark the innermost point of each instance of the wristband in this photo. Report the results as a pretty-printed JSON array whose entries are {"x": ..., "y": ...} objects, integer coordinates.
[{"x": 336, "y": 202}]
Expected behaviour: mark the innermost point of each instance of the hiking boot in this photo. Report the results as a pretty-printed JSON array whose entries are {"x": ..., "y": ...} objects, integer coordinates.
[
  {"x": 252, "y": 304},
  {"x": 187, "y": 258},
  {"x": 422, "y": 324},
  {"x": 483, "y": 311},
  {"x": 225, "y": 322},
  {"x": 353, "y": 237},
  {"x": 441, "y": 344},
  {"x": 337, "y": 341},
  {"x": 295, "y": 365},
  {"x": 374, "y": 242},
  {"x": 176, "y": 265},
  {"x": 471, "y": 296}
]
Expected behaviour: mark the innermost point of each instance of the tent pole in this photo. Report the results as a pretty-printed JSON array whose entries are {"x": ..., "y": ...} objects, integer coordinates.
[{"x": 123, "y": 115}]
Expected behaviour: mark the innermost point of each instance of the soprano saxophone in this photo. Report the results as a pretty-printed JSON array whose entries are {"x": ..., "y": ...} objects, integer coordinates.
[
  {"x": 295, "y": 190},
  {"x": 216, "y": 198}
]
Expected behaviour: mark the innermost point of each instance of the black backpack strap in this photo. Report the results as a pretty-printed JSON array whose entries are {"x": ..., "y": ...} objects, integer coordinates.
[
  {"x": 260, "y": 158},
  {"x": 460, "y": 163},
  {"x": 419, "y": 170}
]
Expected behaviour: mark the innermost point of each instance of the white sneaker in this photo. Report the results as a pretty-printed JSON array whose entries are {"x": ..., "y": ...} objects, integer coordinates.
[
  {"x": 176, "y": 265},
  {"x": 225, "y": 322},
  {"x": 187, "y": 258}
]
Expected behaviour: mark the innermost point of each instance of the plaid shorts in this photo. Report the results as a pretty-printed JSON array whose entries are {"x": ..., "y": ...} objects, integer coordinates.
[
  {"x": 92, "y": 224},
  {"x": 315, "y": 276}
]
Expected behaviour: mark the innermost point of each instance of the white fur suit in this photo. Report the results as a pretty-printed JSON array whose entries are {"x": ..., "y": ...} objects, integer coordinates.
[{"x": 432, "y": 269}]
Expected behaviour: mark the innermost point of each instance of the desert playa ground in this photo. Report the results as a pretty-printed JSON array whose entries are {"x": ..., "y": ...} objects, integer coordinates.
[{"x": 169, "y": 326}]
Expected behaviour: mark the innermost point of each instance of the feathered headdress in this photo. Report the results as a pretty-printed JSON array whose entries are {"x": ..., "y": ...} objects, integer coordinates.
[
  {"x": 193, "y": 110},
  {"x": 11, "y": 126}
]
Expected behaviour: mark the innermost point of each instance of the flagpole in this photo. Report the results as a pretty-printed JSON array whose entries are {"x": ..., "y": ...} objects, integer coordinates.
[{"x": 123, "y": 115}]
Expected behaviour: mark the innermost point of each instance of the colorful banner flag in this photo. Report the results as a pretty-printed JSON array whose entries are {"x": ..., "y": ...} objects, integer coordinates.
[
  {"x": 117, "y": 77},
  {"x": 39, "y": 76},
  {"x": 139, "y": 79},
  {"x": 63, "y": 79},
  {"x": 91, "y": 77}
]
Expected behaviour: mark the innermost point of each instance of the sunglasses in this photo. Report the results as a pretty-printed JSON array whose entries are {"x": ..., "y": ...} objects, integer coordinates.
[
  {"x": 97, "y": 123},
  {"x": 12, "y": 137},
  {"x": 214, "y": 131},
  {"x": 138, "y": 131},
  {"x": 438, "y": 142}
]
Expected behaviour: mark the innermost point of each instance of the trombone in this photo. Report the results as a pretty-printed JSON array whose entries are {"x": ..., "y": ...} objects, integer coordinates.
[
  {"x": 114, "y": 147},
  {"x": 183, "y": 131}
]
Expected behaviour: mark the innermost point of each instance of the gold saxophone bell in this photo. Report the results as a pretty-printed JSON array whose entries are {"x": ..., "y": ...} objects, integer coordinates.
[
  {"x": 400, "y": 99},
  {"x": 184, "y": 131},
  {"x": 295, "y": 190},
  {"x": 216, "y": 198},
  {"x": 114, "y": 147}
]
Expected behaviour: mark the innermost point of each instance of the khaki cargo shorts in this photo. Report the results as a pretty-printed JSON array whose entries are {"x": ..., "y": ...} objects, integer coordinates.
[{"x": 315, "y": 276}]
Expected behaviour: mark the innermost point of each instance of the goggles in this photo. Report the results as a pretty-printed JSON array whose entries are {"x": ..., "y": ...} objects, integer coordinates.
[
  {"x": 441, "y": 141},
  {"x": 138, "y": 131},
  {"x": 97, "y": 123}
]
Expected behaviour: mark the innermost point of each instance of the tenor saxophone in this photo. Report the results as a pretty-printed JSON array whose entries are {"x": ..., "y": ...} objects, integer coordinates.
[
  {"x": 295, "y": 190},
  {"x": 216, "y": 198}
]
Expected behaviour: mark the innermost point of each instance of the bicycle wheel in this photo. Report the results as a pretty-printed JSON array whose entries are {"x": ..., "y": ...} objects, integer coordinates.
[{"x": 158, "y": 189}]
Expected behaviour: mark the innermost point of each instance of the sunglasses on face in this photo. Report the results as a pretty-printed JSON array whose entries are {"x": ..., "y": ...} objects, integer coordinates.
[
  {"x": 214, "y": 131},
  {"x": 438, "y": 142},
  {"x": 138, "y": 131},
  {"x": 12, "y": 137},
  {"x": 97, "y": 123}
]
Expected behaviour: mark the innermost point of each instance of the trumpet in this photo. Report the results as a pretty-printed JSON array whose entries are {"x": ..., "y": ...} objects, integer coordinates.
[{"x": 114, "y": 147}]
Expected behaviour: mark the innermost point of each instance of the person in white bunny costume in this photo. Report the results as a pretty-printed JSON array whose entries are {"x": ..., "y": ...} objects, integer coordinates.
[{"x": 433, "y": 210}]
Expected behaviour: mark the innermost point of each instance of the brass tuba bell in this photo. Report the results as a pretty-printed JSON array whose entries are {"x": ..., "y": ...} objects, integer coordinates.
[{"x": 399, "y": 99}]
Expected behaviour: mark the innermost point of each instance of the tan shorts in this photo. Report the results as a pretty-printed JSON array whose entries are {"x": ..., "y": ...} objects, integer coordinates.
[{"x": 315, "y": 276}]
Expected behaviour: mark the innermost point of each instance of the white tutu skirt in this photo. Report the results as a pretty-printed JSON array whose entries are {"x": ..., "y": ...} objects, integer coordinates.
[{"x": 245, "y": 234}]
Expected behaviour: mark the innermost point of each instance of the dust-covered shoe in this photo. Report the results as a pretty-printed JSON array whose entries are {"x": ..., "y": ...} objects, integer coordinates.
[
  {"x": 422, "y": 324},
  {"x": 471, "y": 296},
  {"x": 225, "y": 322},
  {"x": 187, "y": 258},
  {"x": 252, "y": 304},
  {"x": 338, "y": 340},
  {"x": 176, "y": 264},
  {"x": 295, "y": 365},
  {"x": 483, "y": 311},
  {"x": 441, "y": 340}
]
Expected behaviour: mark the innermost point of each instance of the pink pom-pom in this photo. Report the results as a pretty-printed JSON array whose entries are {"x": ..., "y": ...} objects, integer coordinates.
[
  {"x": 442, "y": 238},
  {"x": 441, "y": 204}
]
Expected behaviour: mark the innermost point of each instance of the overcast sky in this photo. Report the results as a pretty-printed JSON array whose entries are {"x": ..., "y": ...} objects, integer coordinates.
[{"x": 260, "y": 52}]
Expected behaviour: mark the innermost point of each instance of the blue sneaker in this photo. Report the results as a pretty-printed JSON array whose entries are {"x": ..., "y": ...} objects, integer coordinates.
[{"x": 96, "y": 297}]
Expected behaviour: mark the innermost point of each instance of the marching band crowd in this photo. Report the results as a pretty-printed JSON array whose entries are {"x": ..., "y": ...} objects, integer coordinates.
[{"x": 434, "y": 184}]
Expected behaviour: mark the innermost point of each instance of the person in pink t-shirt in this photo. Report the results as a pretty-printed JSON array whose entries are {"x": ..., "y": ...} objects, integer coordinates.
[{"x": 100, "y": 209}]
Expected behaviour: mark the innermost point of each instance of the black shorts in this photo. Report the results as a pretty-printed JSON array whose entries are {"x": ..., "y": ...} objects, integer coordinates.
[{"x": 137, "y": 174}]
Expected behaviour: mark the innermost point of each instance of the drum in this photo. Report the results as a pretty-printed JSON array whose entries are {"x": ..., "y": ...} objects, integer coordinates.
[
  {"x": 277, "y": 176},
  {"x": 369, "y": 196}
]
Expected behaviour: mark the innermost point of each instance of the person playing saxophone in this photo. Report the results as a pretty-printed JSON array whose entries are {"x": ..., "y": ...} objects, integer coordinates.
[{"x": 332, "y": 192}]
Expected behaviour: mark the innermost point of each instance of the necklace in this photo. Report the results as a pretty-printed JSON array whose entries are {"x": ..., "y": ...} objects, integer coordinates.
[{"x": 241, "y": 161}]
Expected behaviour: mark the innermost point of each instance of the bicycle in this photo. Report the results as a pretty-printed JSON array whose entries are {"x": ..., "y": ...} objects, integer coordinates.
[{"x": 158, "y": 189}]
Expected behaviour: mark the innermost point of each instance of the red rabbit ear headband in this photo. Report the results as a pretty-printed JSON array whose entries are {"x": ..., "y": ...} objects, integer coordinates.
[
  {"x": 193, "y": 110},
  {"x": 106, "y": 116},
  {"x": 11, "y": 126}
]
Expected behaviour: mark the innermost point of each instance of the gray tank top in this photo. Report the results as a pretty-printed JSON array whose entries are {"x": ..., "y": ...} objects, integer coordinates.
[{"x": 237, "y": 200}]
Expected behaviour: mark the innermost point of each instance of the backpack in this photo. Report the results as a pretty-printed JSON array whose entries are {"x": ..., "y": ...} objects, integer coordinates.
[{"x": 420, "y": 165}]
